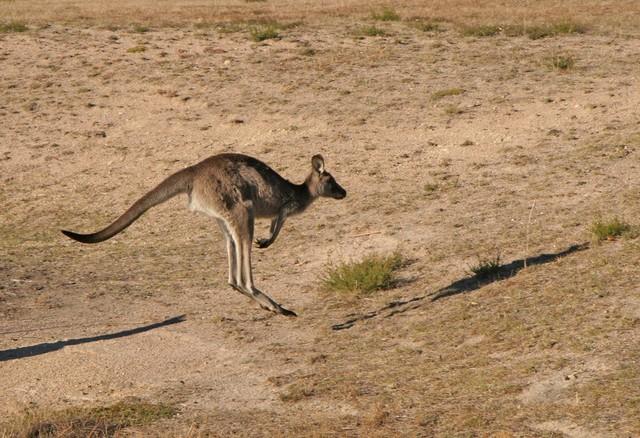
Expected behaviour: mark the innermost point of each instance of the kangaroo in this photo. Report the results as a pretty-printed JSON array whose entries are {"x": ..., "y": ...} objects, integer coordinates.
[{"x": 234, "y": 189}]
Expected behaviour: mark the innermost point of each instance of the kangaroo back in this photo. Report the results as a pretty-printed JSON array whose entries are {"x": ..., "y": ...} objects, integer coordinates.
[{"x": 179, "y": 182}]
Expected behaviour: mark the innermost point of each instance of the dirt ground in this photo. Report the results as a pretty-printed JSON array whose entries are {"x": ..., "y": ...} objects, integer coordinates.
[{"x": 519, "y": 161}]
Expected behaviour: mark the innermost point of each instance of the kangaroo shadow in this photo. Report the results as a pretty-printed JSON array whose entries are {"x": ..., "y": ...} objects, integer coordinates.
[
  {"x": 464, "y": 285},
  {"x": 48, "y": 347}
]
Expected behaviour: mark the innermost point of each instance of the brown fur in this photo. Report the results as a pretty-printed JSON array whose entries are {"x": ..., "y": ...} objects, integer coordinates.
[{"x": 234, "y": 189}]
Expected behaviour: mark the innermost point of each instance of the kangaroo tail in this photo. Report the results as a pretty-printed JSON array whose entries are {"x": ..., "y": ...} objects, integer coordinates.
[{"x": 179, "y": 182}]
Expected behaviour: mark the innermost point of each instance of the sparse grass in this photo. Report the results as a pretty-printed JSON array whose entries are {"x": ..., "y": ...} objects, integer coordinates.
[
  {"x": 560, "y": 62},
  {"x": 483, "y": 30},
  {"x": 610, "y": 229},
  {"x": 561, "y": 28},
  {"x": 486, "y": 268},
  {"x": 137, "y": 49},
  {"x": 534, "y": 32},
  {"x": 446, "y": 92},
  {"x": 427, "y": 26},
  {"x": 139, "y": 28},
  {"x": 374, "y": 272},
  {"x": 264, "y": 32},
  {"x": 371, "y": 31},
  {"x": 101, "y": 421},
  {"x": 386, "y": 14},
  {"x": 13, "y": 26}
]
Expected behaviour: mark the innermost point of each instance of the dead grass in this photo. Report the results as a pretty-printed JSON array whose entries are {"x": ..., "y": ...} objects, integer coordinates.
[
  {"x": 101, "y": 421},
  {"x": 591, "y": 13}
]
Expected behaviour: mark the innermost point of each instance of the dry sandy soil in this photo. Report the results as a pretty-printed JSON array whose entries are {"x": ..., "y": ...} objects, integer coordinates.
[{"x": 519, "y": 163}]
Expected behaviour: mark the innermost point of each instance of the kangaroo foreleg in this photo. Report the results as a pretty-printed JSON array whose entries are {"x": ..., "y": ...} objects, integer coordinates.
[{"x": 276, "y": 225}]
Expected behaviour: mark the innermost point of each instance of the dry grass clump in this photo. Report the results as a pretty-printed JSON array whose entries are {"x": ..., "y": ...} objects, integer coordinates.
[
  {"x": 371, "y": 31},
  {"x": 264, "y": 32},
  {"x": 610, "y": 229},
  {"x": 560, "y": 62},
  {"x": 101, "y": 421},
  {"x": 13, "y": 26},
  {"x": 374, "y": 272},
  {"x": 446, "y": 92},
  {"x": 137, "y": 49}
]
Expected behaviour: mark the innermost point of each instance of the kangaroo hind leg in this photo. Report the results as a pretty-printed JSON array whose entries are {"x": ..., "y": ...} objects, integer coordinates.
[{"x": 243, "y": 237}]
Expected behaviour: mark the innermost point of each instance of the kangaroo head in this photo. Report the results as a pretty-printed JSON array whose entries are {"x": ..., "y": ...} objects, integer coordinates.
[{"x": 322, "y": 183}]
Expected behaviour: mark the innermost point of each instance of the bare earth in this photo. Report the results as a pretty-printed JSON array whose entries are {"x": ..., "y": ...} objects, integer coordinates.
[{"x": 88, "y": 125}]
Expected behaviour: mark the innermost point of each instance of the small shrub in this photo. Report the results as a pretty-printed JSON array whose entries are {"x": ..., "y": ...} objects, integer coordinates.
[
  {"x": 387, "y": 14},
  {"x": 371, "y": 31},
  {"x": 374, "y": 272},
  {"x": 13, "y": 26},
  {"x": 264, "y": 32},
  {"x": 611, "y": 229},
  {"x": 486, "y": 268},
  {"x": 447, "y": 92}
]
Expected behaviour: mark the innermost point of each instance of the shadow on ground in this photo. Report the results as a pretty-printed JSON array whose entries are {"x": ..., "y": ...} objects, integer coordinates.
[
  {"x": 464, "y": 285},
  {"x": 48, "y": 347}
]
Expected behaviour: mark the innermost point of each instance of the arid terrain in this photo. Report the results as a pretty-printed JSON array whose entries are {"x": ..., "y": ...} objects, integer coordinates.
[{"x": 461, "y": 133}]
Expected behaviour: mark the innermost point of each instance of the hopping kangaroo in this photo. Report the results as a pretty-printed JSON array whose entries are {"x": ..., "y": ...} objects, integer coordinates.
[{"x": 234, "y": 189}]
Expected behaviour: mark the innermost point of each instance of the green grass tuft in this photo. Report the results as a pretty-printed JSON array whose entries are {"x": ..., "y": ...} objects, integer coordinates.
[
  {"x": 13, "y": 26},
  {"x": 264, "y": 32},
  {"x": 374, "y": 272},
  {"x": 486, "y": 268},
  {"x": 386, "y": 14},
  {"x": 611, "y": 229}
]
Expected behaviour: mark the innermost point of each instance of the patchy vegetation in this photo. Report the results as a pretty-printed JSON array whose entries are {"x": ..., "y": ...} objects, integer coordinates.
[
  {"x": 101, "y": 421},
  {"x": 534, "y": 32}
]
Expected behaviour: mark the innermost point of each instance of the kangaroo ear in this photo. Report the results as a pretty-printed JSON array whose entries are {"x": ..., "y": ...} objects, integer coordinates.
[{"x": 318, "y": 163}]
